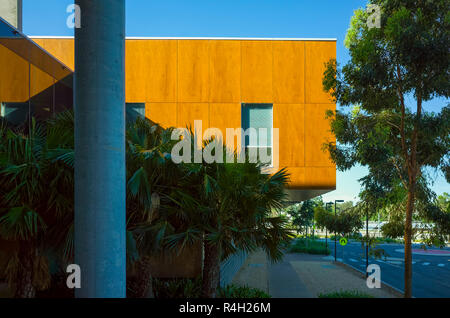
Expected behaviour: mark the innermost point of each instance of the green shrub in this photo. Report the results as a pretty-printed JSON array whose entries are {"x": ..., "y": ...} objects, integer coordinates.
[
  {"x": 355, "y": 236},
  {"x": 309, "y": 247},
  {"x": 191, "y": 288},
  {"x": 177, "y": 288},
  {"x": 310, "y": 237},
  {"x": 234, "y": 291},
  {"x": 345, "y": 294},
  {"x": 387, "y": 240}
]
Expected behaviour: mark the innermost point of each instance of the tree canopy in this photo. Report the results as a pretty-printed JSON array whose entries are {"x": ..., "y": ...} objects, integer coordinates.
[{"x": 392, "y": 71}]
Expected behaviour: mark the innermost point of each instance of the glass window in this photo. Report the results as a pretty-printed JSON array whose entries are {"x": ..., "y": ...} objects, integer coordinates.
[
  {"x": 33, "y": 83},
  {"x": 134, "y": 110},
  {"x": 14, "y": 113},
  {"x": 14, "y": 87},
  {"x": 257, "y": 122},
  {"x": 42, "y": 94},
  {"x": 64, "y": 94}
]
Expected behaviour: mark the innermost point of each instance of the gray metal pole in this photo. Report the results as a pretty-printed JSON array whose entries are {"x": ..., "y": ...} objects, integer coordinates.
[
  {"x": 335, "y": 235},
  {"x": 99, "y": 99},
  {"x": 367, "y": 240},
  {"x": 326, "y": 229}
]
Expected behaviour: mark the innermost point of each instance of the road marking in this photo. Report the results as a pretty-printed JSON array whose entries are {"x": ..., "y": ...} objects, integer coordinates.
[
  {"x": 353, "y": 260},
  {"x": 413, "y": 263},
  {"x": 395, "y": 262},
  {"x": 339, "y": 259},
  {"x": 441, "y": 265},
  {"x": 426, "y": 264},
  {"x": 394, "y": 259},
  {"x": 427, "y": 252}
]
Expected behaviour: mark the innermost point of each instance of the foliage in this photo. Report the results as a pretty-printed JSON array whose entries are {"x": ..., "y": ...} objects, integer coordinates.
[
  {"x": 443, "y": 202},
  {"x": 308, "y": 246},
  {"x": 302, "y": 215},
  {"x": 234, "y": 291},
  {"x": 230, "y": 207},
  {"x": 177, "y": 288},
  {"x": 393, "y": 230},
  {"x": 345, "y": 222},
  {"x": 345, "y": 294},
  {"x": 36, "y": 199}
]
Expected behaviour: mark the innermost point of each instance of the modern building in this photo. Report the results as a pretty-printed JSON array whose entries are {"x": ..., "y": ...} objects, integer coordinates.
[
  {"x": 224, "y": 82},
  {"x": 274, "y": 84}
]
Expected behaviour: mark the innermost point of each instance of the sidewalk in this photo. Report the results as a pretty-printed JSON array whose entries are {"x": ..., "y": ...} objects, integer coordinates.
[{"x": 303, "y": 276}]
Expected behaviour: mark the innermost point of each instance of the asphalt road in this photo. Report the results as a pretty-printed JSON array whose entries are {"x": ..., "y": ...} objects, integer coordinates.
[{"x": 431, "y": 273}]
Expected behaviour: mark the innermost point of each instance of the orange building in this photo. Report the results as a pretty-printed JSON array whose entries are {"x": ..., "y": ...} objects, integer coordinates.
[{"x": 276, "y": 83}]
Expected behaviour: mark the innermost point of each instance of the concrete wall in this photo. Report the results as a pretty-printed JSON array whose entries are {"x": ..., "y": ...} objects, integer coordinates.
[
  {"x": 230, "y": 267},
  {"x": 11, "y": 11}
]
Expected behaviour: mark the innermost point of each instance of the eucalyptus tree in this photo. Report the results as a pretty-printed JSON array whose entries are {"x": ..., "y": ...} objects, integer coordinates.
[
  {"x": 344, "y": 223},
  {"x": 393, "y": 70}
]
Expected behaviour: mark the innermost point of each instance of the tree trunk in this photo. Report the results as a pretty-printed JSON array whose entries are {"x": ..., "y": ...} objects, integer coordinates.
[
  {"x": 313, "y": 231},
  {"x": 24, "y": 280},
  {"x": 140, "y": 285},
  {"x": 211, "y": 270},
  {"x": 408, "y": 239},
  {"x": 413, "y": 169}
]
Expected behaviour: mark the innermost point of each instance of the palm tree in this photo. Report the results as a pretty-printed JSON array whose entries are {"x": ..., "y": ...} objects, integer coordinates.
[
  {"x": 235, "y": 208},
  {"x": 152, "y": 226},
  {"x": 37, "y": 203},
  {"x": 37, "y": 194},
  {"x": 151, "y": 176}
]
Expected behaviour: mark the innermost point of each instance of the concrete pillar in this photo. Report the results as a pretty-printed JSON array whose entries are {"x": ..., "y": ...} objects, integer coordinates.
[
  {"x": 99, "y": 99},
  {"x": 11, "y": 11}
]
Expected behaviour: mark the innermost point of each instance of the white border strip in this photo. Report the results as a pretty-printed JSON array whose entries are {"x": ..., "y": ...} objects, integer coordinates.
[{"x": 196, "y": 38}]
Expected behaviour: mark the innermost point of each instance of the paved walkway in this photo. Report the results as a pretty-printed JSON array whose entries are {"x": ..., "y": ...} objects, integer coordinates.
[{"x": 303, "y": 276}]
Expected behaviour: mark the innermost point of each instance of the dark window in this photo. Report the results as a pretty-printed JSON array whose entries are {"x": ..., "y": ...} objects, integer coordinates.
[
  {"x": 135, "y": 110},
  {"x": 259, "y": 118}
]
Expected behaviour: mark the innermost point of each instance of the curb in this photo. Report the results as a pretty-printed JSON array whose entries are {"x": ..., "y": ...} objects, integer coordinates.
[{"x": 393, "y": 290}]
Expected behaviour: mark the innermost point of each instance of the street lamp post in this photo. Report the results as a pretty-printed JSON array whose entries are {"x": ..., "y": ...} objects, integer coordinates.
[
  {"x": 326, "y": 229},
  {"x": 335, "y": 234},
  {"x": 367, "y": 239}
]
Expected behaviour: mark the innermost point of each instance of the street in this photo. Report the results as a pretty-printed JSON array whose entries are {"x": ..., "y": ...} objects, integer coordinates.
[{"x": 431, "y": 273}]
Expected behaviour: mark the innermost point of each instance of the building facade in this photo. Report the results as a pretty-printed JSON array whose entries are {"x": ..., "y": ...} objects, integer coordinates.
[
  {"x": 225, "y": 83},
  {"x": 177, "y": 81}
]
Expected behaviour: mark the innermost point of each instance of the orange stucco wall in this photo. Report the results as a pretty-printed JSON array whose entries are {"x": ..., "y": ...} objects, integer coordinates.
[{"x": 185, "y": 80}]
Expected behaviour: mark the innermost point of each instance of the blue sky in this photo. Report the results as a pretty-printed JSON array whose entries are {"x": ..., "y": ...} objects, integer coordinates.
[{"x": 239, "y": 18}]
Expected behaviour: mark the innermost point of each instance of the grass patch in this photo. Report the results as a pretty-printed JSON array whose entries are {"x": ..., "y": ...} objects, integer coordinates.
[
  {"x": 302, "y": 245},
  {"x": 388, "y": 240},
  {"x": 345, "y": 294}
]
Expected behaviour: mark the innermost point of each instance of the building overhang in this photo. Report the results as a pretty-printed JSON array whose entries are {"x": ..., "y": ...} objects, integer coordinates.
[{"x": 295, "y": 195}]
